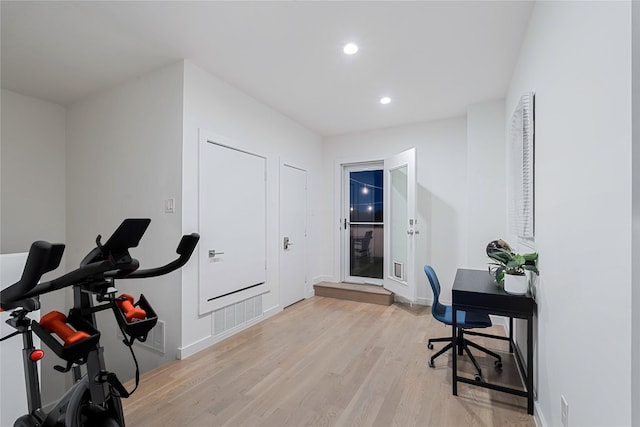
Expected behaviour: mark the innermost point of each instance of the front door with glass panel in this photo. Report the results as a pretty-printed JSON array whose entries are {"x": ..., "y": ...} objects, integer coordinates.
[{"x": 363, "y": 223}]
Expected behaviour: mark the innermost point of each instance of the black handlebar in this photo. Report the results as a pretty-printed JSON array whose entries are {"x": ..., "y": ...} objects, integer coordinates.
[
  {"x": 43, "y": 257},
  {"x": 82, "y": 274},
  {"x": 111, "y": 260},
  {"x": 185, "y": 249}
]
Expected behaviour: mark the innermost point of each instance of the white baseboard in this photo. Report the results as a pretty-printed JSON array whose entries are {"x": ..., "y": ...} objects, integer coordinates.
[
  {"x": 271, "y": 311},
  {"x": 193, "y": 348},
  {"x": 425, "y": 301},
  {"x": 419, "y": 301},
  {"x": 203, "y": 343},
  {"x": 538, "y": 418},
  {"x": 319, "y": 279}
]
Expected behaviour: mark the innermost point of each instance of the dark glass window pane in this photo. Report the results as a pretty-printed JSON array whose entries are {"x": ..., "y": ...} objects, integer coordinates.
[
  {"x": 367, "y": 248},
  {"x": 366, "y": 196}
]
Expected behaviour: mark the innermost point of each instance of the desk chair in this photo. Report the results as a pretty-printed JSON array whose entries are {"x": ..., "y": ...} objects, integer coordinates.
[{"x": 465, "y": 320}]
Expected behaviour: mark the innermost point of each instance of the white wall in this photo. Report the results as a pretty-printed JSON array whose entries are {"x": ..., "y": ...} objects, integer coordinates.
[
  {"x": 576, "y": 58},
  {"x": 123, "y": 160},
  {"x": 214, "y": 106},
  {"x": 635, "y": 304},
  {"x": 442, "y": 194},
  {"x": 461, "y": 191},
  {"x": 486, "y": 186},
  {"x": 33, "y": 172},
  {"x": 32, "y": 201}
]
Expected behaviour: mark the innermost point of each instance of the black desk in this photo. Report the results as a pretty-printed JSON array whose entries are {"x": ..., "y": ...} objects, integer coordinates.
[{"x": 476, "y": 290}]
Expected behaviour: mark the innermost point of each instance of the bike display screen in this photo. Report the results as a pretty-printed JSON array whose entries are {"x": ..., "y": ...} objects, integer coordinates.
[{"x": 127, "y": 235}]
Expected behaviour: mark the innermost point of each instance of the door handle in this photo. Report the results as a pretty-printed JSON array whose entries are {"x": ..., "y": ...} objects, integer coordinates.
[
  {"x": 213, "y": 253},
  {"x": 286, "y": 243}
]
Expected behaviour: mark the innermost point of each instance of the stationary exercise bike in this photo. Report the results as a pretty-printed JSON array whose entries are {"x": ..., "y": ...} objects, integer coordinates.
[{"x": 95, "y": 397}]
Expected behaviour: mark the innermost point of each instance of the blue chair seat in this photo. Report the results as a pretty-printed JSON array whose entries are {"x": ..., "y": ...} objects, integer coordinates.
[{"x": 465, "y": 320}]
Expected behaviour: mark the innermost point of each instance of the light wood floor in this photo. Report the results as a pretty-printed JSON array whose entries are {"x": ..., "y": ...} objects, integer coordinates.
[{"x": 327, "y": 362}]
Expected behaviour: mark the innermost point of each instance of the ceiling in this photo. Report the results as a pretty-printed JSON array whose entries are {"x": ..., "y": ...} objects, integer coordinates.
[{"x": 432, "y": 58}]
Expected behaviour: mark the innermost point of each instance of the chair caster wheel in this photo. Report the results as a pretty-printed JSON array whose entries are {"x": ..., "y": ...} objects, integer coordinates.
[
  {"x": 498, "y": 363},
  {"x": 430, "y": 363},
  {"x": 477, "y": 377},
  {"x": 430, "y": 346}
]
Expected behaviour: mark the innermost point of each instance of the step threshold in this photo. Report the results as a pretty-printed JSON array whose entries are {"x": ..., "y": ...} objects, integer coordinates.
[{"x": 371, "y": 294}]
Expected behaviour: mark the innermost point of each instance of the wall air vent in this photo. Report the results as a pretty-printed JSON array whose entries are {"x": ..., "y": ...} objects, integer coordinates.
[{"x": 236, "y": 315}]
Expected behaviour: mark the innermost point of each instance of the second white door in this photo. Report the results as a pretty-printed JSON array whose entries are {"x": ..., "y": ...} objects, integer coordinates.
[{"x": 293, "y": 230}]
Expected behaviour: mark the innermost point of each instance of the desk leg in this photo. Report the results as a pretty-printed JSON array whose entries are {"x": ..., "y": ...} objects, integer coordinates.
[
  {"x": 510, "y": 334},
  {"x": 454, "y": 352},
  {"x": 530, "y": 365}
]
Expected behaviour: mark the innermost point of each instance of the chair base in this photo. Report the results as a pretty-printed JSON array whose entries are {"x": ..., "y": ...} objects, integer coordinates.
[{"x": 463, "y": 346}]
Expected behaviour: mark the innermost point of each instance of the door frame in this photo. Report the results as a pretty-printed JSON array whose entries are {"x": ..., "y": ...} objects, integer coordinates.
[
  {"x": 345, "y": 254},
  {"x": 207, "y": 305},
  {"x": 338, "y": 214},
  {"x": 337, "y": 209}
]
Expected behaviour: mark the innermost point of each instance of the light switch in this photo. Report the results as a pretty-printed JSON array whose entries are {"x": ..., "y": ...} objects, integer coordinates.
[{"x": 169, "y": 205}]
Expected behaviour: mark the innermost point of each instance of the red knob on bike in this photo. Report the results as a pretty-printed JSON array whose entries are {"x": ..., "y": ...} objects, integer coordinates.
[
  {"x": 36, "y": 355},
  {"x": 56, "y": 322},
  {"x": 131, "y": 313}
]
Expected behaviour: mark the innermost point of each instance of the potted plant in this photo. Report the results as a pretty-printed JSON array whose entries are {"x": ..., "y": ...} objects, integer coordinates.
[{"x": 509, "y": 267}]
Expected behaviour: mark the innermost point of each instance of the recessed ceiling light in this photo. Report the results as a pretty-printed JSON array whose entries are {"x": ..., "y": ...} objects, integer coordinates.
[
  {"x": 385, "y": 100},
  {"x": 350, "y": 48}
]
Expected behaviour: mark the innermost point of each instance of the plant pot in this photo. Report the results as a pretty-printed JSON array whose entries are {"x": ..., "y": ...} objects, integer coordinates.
[{"x": 516, "y": 284}]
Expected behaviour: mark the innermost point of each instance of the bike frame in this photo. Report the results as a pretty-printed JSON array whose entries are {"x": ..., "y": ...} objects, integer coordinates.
[
  {"x": 95, "y": 277},
  {"x": 70, "y": 402}
]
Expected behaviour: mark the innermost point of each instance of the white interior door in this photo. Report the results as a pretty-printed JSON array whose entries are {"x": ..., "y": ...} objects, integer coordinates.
[
  {"x": 400, "y": 224},
  {"x": 232, "y": 248},
  {"x": 293, "y": 229}
]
